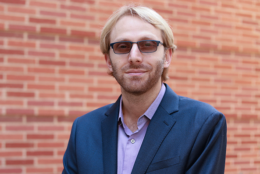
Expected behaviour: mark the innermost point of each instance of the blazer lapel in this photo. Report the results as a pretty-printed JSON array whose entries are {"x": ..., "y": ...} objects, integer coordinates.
[
  {"x": 109, "y": 139},
  {"x": 160, "y": 125}
]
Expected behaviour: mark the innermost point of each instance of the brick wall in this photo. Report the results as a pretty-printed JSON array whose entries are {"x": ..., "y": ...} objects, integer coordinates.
[{"x": 51, "y": 71}]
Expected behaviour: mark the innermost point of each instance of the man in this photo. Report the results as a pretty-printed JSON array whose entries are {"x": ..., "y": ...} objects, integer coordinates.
[{"x": 149, "y": 129}]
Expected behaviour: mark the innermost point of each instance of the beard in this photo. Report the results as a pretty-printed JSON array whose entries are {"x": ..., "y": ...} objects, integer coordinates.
[{"x": 138, "y": 85}]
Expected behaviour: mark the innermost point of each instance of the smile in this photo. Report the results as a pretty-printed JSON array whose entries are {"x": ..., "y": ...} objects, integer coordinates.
[{"x": 135, "y": 72}]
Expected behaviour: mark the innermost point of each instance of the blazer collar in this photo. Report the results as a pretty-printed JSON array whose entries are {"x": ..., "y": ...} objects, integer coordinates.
[
  {"x": 109, "y": 139},
  {"x": 159, "y": 127}
]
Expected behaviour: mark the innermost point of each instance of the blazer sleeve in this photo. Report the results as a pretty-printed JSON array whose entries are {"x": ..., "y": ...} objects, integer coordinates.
[
  {"x": 209, "y": 151},
  {"x": 69, "y": 159}
]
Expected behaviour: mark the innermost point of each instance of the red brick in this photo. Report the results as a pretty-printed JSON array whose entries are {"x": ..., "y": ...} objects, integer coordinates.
[
  {"x": 51, "y": 128},
  {"x": 39, "y": 170},
  {"x": 72, "y": 23},
  {"x": 19, "y": 145},
  {"x": 11, "y": 34},
  {"x": 50, "y": 161},
  {"x": 249, "y": 142},
  {"x": 41, "y": 87},
  {"x": 10, "y": 170},
  {"x": 52, "y": 95},
  {"x": 249, "y": 116},
  {"x": 39, "y": 153},
  {"x": 200, "y": 79},
  {"x": 10, "y": 119},
  {"x": 22, "y": 44},
  {"x": 40, "y": 119},
  {"x": 50, "y": 112},
  {"x": 82, "y": 96},
  {"x": 41, "y": 70},
  {"x": 82, "y": 33},
  {"x": 39, "y": 137},
  {"x": 108, "y": 97},
  {"x": 42, "y": 54},
  {"x": 248, "y": 168},
  {"x": 11, "y": 85},
  {"x": 11, "y": 102},
  {"x": 22, "y": 28},
  {"x": 97, "y": 73},
  {"x": 11, "y": 154},
  {"x": 43, "y": 4},
  {"x": 42, "y": 20},
  {"x": 19, "y": 128},
  {"x": 19, "y": 111},
  {"x": 14, "y": 2},
  {"x": 163, "y": 10},
  {"x": 251, "y": 103},
  {"x": 250, "y": 22},
  {"x": 20, "y": 77},
  {"x": 53, "y": 46},
  {"x": 72, "y": 88},
  {"x": 69, "y": 119},
  {"x": 11, "y": 137},
  {"x": 84, "y": 1},
  {"x": 12, "y": 18},
  {"x": 40, "y": 37},
  {"x": 71, "y": 72},
  {"x": 51, "y": 145},
  {"x": 40, "y": 103},
  {"x": 71, "y": 39},
  {"x": 72, "y": 104},
  {"x": 50, "y": 62},
  {"x": 21, "y": 60},
  {"x": 73, "y": 7},
  {"x": 20, "y": 94},
  {"x": 178, "y": 20},
  {"x": 51, "y": 79},
  {"x": 21, "y": 10},
  {"x": 63, "y": 137},
  {"x": 96, "y": 105},
  {"x": 81, "y": 64},
  {"x": 19, "y": 162},
  {"x": 11, "y": 52},
  {"x": 81, "y": 80},
  {"x": 53, "y": 30},
  {"x": 242, "y": 149},
  {"x": 72, "y": 56},
  {"x": 54, "y": 14}
]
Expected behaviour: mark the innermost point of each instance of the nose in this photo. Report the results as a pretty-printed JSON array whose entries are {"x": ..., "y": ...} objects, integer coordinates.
[{"x": 135, "y": 56}]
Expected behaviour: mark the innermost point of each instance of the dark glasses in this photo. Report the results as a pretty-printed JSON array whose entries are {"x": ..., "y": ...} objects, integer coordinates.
[{"x": 145, "y": 46}]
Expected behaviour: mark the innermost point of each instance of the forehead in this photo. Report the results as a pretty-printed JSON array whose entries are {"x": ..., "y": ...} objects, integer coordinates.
[{"x": 134, "y": 28}]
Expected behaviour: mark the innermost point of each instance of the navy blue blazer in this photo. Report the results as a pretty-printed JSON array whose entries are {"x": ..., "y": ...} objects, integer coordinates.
[{"x": 185, "y": 136}]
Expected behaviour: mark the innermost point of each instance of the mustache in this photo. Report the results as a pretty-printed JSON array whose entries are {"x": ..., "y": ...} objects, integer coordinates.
[{"x": 132, "y": 66}]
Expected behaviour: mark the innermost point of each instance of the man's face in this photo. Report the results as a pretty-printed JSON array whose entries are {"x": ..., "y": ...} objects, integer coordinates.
[{"x": 135, "y": 71}]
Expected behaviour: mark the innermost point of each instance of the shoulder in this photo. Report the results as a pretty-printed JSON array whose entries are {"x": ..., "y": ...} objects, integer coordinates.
[
  {"x": 95, "y": 116},
  {"x": 198, "y": 111}
]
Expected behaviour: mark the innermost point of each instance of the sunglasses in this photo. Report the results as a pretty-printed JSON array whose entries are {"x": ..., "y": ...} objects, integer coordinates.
[{"x": 145, "y": 46}]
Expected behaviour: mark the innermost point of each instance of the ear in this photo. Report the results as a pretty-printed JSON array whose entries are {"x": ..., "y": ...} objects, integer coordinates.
[
  {"x": 108, "y": 62},
  {"x": 168, "y": 58}
]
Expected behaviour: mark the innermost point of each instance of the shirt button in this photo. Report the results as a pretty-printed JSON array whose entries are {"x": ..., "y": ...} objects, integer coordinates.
[{"x": 132, "y": 141}]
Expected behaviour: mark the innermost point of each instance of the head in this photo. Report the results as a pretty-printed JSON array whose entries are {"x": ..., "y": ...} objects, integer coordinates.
[{"x": 145, "y": 14}]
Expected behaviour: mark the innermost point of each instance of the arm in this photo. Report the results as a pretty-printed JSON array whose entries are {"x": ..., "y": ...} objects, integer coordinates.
[
  {"x": 209, "y": 151},
  {"x": 69, "y": 159}
]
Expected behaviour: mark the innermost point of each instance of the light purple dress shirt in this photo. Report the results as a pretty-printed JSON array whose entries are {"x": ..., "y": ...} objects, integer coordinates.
[{"x": 130, "y": 142}]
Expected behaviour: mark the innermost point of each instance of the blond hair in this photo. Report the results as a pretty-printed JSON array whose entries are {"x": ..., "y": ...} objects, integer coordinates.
[{"x": 147, "y": 15}]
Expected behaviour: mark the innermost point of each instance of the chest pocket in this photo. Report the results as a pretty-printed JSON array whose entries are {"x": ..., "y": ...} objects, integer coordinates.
[{"x": 164, "y": 164}]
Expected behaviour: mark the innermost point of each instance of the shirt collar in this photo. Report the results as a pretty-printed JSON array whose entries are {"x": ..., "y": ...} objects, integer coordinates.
[{"x": 152, "y": 108}]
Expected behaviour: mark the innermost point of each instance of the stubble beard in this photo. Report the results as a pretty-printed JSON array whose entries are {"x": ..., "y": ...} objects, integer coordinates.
[{"x": 138, "y": 85}]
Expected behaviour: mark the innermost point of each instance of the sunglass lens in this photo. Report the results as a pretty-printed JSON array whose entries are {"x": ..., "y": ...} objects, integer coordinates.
[
  {"x": 147, "y": 46},
  {"x": 122, "y": 47}
]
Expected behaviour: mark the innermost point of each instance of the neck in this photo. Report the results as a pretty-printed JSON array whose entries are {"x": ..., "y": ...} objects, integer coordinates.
[{"x": 134, "y": 106}]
